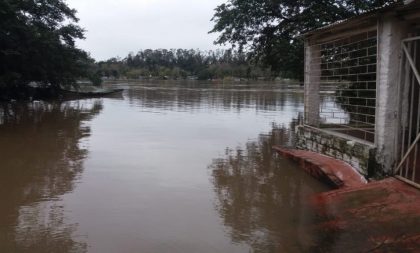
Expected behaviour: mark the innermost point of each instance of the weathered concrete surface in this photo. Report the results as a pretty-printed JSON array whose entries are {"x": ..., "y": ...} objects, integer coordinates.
[
  {"x": 382, "y": 216},
  {"x": 312, "y": 83},
  {"x": 391, "y": 30},
  {"x": 359, "y": 155},
  {"x": 335, "y": 173}
]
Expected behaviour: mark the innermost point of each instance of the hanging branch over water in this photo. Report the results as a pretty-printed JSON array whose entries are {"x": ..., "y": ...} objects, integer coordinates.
[{"x": 37, "y": 43}]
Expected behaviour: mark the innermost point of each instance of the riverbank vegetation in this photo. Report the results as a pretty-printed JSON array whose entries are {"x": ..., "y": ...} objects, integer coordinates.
[
  {"x": 178, "y": 64},
  {"x": 271, "y": 30},
  {"x": 37, "y": 44},
  {"x": 265, "y": 36}
]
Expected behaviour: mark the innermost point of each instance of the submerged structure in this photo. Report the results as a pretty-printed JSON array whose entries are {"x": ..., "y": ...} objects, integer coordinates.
[{"x": 362, "y": 90}]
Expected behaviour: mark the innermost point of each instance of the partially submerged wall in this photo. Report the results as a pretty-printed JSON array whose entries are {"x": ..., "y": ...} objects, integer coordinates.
[{"x": 359, "y": 155}]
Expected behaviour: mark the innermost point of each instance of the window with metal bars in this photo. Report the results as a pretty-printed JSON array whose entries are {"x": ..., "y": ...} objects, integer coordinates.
[{"x": 347, "y": 84}]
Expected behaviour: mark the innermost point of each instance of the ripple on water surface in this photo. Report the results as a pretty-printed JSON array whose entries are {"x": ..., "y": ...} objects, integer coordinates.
[{"x": 170, "y": 168}]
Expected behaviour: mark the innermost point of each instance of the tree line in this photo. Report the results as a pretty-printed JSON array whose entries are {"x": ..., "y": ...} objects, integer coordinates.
[
  {"x": 183, "y": 64},
  {"x": 272, "y": 29},
  {"x": 37, "y": 43}
]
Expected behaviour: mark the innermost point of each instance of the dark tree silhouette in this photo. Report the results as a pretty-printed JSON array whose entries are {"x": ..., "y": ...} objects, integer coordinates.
[
  {"x": 270, "y": 29},
  {"x": 37, "y": 43}
]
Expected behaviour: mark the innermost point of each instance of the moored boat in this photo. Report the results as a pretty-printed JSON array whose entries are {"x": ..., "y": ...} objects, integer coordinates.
[{"x": 89, "y": 91}]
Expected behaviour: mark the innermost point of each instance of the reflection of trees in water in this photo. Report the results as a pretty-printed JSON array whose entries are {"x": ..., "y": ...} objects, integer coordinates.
[
  {"x": 41, "y": 159},
  {"x": 194, "y": 98},
  {"x": 261, "y": 198}
]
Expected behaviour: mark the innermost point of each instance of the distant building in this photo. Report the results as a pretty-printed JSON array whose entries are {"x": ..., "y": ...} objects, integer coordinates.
[{"x": 362, "y": 89}]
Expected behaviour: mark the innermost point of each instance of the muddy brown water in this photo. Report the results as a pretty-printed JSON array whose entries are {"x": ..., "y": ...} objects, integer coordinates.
[{"x": 165, "y": 167}]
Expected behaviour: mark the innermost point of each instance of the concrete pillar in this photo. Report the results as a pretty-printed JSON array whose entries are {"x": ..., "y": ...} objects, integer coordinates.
[
  {"x": 312, "y": 83},
  {"x": 390, "y": 33}
]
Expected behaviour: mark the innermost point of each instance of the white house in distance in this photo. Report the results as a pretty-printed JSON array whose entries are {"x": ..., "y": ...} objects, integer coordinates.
[{"x": 362, "y": 89}]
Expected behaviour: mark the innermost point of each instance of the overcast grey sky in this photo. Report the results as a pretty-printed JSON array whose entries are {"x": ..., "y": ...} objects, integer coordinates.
[{"x": 117, "y": 27}]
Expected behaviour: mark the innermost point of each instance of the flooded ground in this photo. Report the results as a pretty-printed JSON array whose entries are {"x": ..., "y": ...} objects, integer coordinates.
[{"x": 183, "y": 167}]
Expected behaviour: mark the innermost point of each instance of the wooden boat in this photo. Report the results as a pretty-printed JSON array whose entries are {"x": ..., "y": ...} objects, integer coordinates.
[{"x": 89, "y": 92}]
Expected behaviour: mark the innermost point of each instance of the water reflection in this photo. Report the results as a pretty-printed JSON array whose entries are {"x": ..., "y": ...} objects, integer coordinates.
[
  {"x": 211, "y": 96},
  {"x": 41, "y": 159},
  {"x": 262, "y": 198},
  {"x": 135, "y": 178}
]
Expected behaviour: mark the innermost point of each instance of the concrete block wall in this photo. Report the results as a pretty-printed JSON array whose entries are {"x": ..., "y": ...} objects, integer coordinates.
[{"x": 359, "y": 155}]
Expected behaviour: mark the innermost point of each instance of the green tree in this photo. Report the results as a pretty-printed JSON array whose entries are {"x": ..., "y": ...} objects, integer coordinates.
[
  {"x": 37, "y": 43},
  {"x": 181, "y": 63},
  {"x": 271, "y": 29}
]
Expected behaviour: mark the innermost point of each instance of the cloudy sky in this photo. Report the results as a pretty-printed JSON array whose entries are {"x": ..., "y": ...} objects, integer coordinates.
[{"x": 117, "y": 27}]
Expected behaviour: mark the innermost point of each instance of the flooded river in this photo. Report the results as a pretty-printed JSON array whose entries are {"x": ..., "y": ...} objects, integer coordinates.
[{"x": 165, "y": 167}]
